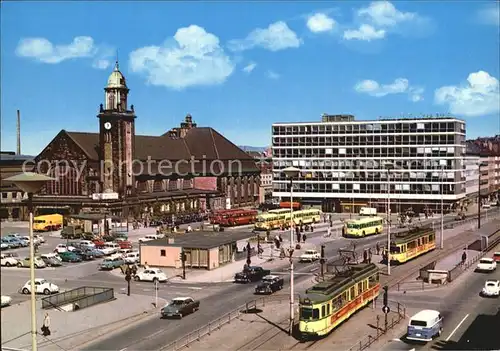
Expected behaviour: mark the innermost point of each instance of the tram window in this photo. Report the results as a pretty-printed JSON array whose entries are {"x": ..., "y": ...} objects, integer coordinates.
[
  {"x": 395, "y": 249},
  {"x": 412, "y": 245},
  {"x": 373, "y": 280},
  {"x": 424, "y": 240},
  {"x": 345, "y": 297},
  {"x": 328, "y": 309},
  {"x": 306, "y": 313},
  {"x": 431, "y": 237},
  {"x": 337, "y": 303},
  {"x": 316, "y": 313},
  {"x": 351, "y": 293},
  {"x": 323, "y": 311},
  {"x": 360, "y": 287}
]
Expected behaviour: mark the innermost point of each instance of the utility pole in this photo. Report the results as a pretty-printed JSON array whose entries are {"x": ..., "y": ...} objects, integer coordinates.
[
  {"x": 388, "y": 251},
  {"x": 128, "y": 277},
  {"x": 386, "y": 308},
  {"x": 442, "y": 212},
  {"x": 183, "y": 261},
  {"x": 479, "y": 197}
]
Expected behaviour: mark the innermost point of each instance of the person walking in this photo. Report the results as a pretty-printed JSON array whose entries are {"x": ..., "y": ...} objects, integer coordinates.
[
  {"x": 370, "y": 255},
  {"x": 464, "y": 257},
  {"x": 46, "y": 325},
  {"x": 329, "y": 232},
  {"x": 365, "y": 256},
  {"x": 377, "y": 247}
]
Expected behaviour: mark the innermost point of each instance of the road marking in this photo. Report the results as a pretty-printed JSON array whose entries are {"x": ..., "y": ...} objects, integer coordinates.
[
  {"x": 314, "y": 269},
  {"x": 458, "y": 326},
  {"x": 194, "y": 287}
]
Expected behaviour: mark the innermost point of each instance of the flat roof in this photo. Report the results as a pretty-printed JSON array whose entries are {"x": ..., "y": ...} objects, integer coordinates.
[
  {"x": 202, "y": 239},
  {"x": 93, "y": 216},
  {"x": 373, "y": 121}
]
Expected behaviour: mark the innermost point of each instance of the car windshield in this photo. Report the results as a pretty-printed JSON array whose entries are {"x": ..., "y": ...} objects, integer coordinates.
[
  {"x": 268, "y": 280},
  {"x": 490, "y": 284},
  {"x": 177, "y": 302},
  {"x": 43, "y": 281},
  {"x": 484, "y": 260},
  {"x": 310, "y": 252}
]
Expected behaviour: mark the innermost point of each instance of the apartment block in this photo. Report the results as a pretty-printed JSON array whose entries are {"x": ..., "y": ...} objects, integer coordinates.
[{"x": 346, "y": 164}]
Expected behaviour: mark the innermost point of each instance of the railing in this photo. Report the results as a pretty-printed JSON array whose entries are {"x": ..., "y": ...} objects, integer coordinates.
[
  {"x": 81, "y": 297},
  {"x": 394, "y": 319},
  {"x": 216, "y": 324}
]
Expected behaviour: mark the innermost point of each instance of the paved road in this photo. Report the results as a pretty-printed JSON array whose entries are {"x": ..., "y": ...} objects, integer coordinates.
[{"x": 470, "y": 321}]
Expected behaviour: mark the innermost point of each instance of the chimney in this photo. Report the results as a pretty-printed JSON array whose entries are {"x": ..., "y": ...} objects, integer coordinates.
[{"x": 18, "y": 132}]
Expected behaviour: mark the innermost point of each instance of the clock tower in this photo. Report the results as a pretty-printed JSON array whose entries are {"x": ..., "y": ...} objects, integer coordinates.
[{"x": 116, "y": 136}]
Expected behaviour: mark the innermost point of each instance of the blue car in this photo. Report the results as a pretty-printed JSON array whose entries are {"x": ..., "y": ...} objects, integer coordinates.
[
  {"x": 96, "y": 253},
  {"x": 13, "y": 244},
  {"x": 19, "y": 242}
]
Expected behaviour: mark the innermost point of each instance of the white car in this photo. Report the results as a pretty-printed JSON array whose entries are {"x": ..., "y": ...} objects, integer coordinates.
[
  {"x": 151, "y": 275},
  {"x": 63, "y": 248},
  {"x": 486, "y": 265},
  {"x": 6, "y": 300},
  {"x": 87, "y": 244},
  {"x": 4, "y": 246},
  {"x": 27, "y": 239},
  {"x": 132, "y": 257},
  {"x": 491, "y": 288},
  {"x": 149, "y": 238},
  {"x": 40, "y": 238},
  {"x": 310, "y": 256},
  {"x": 51, "y": 255},
  {"x": 110, "y": 248},
  {"x": 8, "y": 261},
  {"x": 42, "y": 286}
]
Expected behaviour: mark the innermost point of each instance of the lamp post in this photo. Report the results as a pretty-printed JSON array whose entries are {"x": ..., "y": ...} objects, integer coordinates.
[
  {"x": 441, "y": 240},
  {"x": 389, "y": 167},
  {"x": 291, "y": 173},
  {"x": 31, "y": 183}
]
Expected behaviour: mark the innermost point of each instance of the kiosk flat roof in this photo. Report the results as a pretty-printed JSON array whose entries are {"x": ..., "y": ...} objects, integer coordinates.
[{"x": 202, "y": 239}]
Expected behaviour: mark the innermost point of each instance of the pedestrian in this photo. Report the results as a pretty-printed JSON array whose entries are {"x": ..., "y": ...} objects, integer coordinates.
[
  {"x": 312, "y": 228},
  {"x": 331, "y": 224},
  {"x": 280, "y": 238},
  {"x": 370, "y": 255},
  {"x": 304, "y": 238},
  {"x": 46, "y": 325},
  {"x": 365, "y": 256},
  {"x": 464, "y": 257},
  {"x": 329, "y": 232}
]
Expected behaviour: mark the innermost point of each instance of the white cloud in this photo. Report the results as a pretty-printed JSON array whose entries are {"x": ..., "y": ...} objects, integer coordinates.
[
  {"x": 278, "y": 36},
  {"x": 320, "y": 22},
  {"x": 272, "y": 75},
  {"x": 44, "y": 51},
  {"x": 399, "y": 86},
  {"x": 250, "y": 67},
  {"x": 480, "y": 95},
  {"x": 384, "y": 14},
  {"x": 489, "y": 14},
  {"x": 365, "y": 33},
  {"x": 102, "y": 59},
  {"x": 195, "y": 58}
]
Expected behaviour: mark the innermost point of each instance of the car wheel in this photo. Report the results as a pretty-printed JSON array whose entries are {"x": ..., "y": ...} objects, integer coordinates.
[
  {"x": 180, "y": 315},
  {"x": 7, "y": 264},
  {"x": 36, "y": 266},
  {"x": 20, "y": 265},
  {"x": 136, "y": 278},
  {"x": 26, "y": 291},
  {"x": 46, "y": 292}
]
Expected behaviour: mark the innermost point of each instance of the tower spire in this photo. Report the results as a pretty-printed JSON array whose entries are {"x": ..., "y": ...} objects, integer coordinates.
[{"x": 117, "y": 66}]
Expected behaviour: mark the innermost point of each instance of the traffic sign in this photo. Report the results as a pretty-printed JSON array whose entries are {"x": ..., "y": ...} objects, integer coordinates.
[{"x": 386, "y": 309}]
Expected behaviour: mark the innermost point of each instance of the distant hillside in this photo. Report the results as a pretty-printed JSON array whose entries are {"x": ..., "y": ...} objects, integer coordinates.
[{"x": 252, "y": 148}]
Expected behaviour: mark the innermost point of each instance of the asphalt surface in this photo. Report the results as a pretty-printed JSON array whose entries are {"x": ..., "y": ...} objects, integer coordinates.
[{"x": 471, "y": 322}]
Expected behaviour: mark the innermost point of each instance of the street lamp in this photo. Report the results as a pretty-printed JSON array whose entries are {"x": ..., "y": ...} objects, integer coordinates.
[
  {"x": 389, "y": 167},
  {"x": 291, "y": 173},
  {"x": 31, "y": 183},
  {"x": 441, "y": 241}
]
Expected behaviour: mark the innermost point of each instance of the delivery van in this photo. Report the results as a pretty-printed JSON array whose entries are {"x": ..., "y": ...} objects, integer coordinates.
[
  {"x": 47, "y": 223},
  {"x": 425, "y": 325},
  {"x": 368, "y": 211}
]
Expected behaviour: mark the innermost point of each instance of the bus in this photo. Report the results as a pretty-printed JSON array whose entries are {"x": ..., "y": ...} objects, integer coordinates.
[
  {"x": 275, "y": 219},
  {"x": 215, "y": 217},
  {"x": 295, "y": 205},
  {"x": 362, "y": 227},
  {"x": 410, "y": 244},
  {"x": 329, "y": 303},
  {"x": 238, "y": 217},
  {"x": 47, "y": 223}
]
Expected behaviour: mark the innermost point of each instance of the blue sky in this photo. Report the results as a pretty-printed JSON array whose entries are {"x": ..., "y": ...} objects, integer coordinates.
[{"x": 239, "y": 67}]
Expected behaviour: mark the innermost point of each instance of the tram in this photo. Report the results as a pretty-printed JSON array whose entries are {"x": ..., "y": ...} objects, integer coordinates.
[
  {"x": 410, "y": 244},
  {"x": 327, "y": 304}
]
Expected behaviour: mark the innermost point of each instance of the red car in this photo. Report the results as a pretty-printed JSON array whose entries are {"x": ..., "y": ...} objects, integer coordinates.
[
  {"x": 496, "y": 256},
  {"x": 98, "y": 243},
  {"x": 125, "y": 244}
]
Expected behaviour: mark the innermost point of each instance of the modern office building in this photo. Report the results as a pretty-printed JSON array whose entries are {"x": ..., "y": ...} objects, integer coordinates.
[{"x": 345, "y": 163}]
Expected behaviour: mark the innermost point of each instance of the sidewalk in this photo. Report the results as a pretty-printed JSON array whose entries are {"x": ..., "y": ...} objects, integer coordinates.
[{"x": 70, "y": 330}]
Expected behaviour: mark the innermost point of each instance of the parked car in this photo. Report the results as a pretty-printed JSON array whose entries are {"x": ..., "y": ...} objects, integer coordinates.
[
  {"x": 18, "y": 242},
  {"x": 269, "y": 284},
  {"x": 112, "y": 262},
  {"x": 4, "y": 245},
  {"x": 8, "y": 261},
  {"x": 124, "y": 244},
  {"x": 86, "y": 244},
  {"x": 132, "y": 257},
  {"x": 96, "y": 253},
  {"x": 149, "y": 238},
  {"x": 51, "y": 255},
  {"x": 486, "y": 264},
  {"x": 63, "y": 248},
  {"x": 68, "y": 256},
  {"x": 179, "y": 307},
  {"x": 11, "y": 242},
  {"x": 51, "y": 261},
  {"x": 310, "y": 256},
  {"x": 42, "y": 286},
  {"x": 110, "y": 248},
  {"x": 151, "y": 275},
  {"x": 496, "y": 256},
  {"x": 491, "y": 288},
  {"x": 6, "y": 300},
  {"x": 84, "y": 254},
  {"x": 40, "y": 238},
  {"x": 124, "y": 252},
  {"x": 251, "y": 274},
  {"x": 25, "y": 263}
]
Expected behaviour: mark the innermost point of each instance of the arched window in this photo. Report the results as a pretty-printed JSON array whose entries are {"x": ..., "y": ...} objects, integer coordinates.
[{"x": 66, "y": 181}]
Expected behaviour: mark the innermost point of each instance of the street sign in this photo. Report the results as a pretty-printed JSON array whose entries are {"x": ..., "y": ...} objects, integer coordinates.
[{"x": 386, "y": 309}]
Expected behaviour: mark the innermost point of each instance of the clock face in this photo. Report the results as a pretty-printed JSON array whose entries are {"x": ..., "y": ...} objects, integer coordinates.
[{"x": 107, "y": 125}]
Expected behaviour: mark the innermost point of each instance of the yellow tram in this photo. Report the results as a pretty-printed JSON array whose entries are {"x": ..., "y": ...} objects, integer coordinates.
[
  {"x": 329, "y": 303},
  {"x": 412, "y": 243}
]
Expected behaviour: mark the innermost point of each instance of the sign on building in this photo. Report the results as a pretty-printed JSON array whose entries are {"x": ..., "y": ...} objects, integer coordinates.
[{"x": 105, "y": 196}]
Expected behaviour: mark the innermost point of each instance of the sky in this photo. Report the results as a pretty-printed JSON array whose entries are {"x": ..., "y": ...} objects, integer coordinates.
[{"x": 240, "y": 66}]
